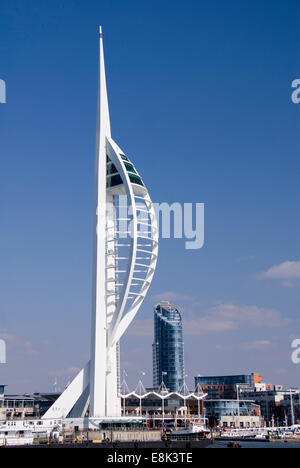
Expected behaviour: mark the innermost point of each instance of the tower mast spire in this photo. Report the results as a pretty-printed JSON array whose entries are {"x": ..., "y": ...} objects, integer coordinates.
[
  {"x": 98, "y": 374},
  {"x": 103, "y": 112}
]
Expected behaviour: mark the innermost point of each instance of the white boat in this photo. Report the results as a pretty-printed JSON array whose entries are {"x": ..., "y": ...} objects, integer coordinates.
[
  {"x": 15, "y": 440},
  {"x": 196, "y": 426},
  {"x": 261, "y": 433},
  {"x": 24, "y": 431}
]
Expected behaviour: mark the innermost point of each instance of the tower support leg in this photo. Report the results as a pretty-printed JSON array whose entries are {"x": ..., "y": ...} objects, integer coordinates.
[{"x": 113, "y": 401}]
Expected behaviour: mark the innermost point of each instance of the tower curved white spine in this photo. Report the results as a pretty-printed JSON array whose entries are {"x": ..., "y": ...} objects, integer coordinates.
[{"x": 125, "y": 255}]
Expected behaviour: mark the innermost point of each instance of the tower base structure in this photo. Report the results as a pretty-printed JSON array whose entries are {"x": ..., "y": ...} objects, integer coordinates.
[{"x": 74, "y": 402}]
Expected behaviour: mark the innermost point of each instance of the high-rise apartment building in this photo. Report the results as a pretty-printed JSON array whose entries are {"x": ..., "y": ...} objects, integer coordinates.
[{"x": 168, "y": 349}]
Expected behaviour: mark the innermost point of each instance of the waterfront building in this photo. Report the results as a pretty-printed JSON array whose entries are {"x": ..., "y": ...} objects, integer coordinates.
[
  {"x": 278, "y": 406},
  {"x": 225, "y": 386},
  {"x": 173, "y": 407},
  {"x": 168, "y": 348},
  {"x": 232, "y": 413},
  {"x": 124, "y": 261},
  {"x": 26, "y": 406},
  {"x": 15, "y": 406}
]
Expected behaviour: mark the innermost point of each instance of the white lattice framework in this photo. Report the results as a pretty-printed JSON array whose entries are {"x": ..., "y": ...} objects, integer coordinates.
[
  {"x": 165, "y": 396},
  {"x": 125, "y": 254}
]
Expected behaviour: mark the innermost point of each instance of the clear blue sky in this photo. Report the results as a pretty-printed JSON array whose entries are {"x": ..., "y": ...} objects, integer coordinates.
[{"x": 200, "y": 98}]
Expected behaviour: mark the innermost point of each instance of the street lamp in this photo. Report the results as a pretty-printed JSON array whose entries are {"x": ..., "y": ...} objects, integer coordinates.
[
  {"x": 142, "y": 373},
  {"x": 163, "y": 398},
  {"x": 185, "y": 397},
  {"x": 198, "y": 391},
  {"x": 292, "y": 408},
  {"x": 124, "y": 388},
  {"x": 238, "y": 403}
]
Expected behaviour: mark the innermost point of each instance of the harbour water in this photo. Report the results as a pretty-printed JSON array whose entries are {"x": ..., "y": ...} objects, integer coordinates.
[{"x": 246, "y": 444}]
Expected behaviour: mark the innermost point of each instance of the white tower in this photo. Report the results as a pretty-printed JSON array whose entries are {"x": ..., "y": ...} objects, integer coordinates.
[{"x": 125, "y": 254}]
